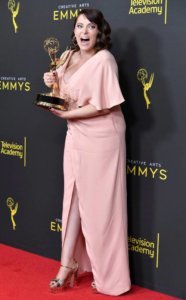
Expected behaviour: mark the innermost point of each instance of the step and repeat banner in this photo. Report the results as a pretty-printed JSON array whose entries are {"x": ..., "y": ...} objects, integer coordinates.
[{"x": 149, "y": 45}]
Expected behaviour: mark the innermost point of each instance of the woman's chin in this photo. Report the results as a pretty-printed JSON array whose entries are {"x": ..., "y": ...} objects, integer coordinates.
[{"x": 86, "y": 48}]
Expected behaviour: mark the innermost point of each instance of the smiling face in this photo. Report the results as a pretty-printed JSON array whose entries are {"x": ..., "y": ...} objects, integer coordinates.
[{"x": 86, "y": 34}]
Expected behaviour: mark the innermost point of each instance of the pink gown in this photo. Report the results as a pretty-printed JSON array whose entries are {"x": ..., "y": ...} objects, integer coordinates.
[{"x": 94, "y": 161}]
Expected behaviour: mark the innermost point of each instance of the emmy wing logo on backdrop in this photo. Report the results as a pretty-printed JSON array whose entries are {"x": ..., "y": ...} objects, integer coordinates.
[
  {"x": 142, "y": 76},
  {"x": 13, "y": 210},
  {"x": 14, "y": 9}
]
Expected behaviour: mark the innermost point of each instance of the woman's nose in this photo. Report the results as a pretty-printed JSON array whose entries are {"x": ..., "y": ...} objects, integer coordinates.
[{"x": 85, "y": 29}]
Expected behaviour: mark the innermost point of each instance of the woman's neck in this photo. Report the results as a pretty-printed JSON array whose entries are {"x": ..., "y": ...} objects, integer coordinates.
[{"x": 86, "y": 54}]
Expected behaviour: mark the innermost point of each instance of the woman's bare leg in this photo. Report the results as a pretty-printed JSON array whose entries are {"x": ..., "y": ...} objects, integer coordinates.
[{"x": 71, "y": 236}]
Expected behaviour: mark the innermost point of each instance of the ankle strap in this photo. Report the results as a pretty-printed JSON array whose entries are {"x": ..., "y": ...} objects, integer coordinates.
[{"x": 66, "y": 267}]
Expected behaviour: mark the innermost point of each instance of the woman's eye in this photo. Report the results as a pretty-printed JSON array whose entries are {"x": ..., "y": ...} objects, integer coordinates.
[
  {"x": 89, "y": 26},
  {"x": 92, "y": 26}
]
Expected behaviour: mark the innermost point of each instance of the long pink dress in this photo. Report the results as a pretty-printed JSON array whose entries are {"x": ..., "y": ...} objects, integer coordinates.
[{"x": 94, "y": 161}]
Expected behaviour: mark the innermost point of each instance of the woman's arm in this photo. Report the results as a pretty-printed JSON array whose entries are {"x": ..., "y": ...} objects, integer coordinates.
[{"x": 86, "y": 111}]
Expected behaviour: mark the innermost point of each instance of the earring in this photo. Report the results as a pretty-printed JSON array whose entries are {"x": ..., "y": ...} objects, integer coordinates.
[{"x": 74, "y": 41}]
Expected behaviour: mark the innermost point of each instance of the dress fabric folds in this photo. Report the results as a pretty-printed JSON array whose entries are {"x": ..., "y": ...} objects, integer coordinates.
[{"x": 94, "y": 163}]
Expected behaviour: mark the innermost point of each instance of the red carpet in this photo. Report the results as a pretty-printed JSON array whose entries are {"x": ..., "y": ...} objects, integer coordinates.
[{"x": 25, "y": 276}]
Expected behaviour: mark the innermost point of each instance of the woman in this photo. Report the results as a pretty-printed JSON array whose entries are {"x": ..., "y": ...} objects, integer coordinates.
[{"x": 94, "y": 206}]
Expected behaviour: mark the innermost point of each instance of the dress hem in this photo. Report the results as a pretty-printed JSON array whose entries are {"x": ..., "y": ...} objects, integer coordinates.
[{"x": 114, "y": 294}]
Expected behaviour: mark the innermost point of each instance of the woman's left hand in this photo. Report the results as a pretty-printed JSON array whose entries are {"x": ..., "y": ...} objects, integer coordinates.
[
  {"x": 59, "y": 113},
  {"x": 87, "y": 111}
]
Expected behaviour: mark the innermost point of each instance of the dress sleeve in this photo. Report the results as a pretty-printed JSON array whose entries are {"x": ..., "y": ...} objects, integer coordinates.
[{"x": 101, "y": 87}]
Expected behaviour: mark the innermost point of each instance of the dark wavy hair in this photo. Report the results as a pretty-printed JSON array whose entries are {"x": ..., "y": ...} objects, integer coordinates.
[{"x": 103, "y": 37}]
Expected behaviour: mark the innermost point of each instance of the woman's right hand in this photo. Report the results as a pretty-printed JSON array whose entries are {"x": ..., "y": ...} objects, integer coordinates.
[{"x": 50, "y": 78}]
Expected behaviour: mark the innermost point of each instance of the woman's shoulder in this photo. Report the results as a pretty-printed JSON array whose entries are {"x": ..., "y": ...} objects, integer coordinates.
[
  {"x": 105, "y": 59},
  {"x": 105, "y": 55},
  {"x": 65, "y": 53},
  {"x": 64, "y": 57}
]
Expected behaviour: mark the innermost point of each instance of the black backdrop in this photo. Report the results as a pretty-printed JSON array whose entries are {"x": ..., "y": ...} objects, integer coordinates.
[{"x": 149, "y": 45}]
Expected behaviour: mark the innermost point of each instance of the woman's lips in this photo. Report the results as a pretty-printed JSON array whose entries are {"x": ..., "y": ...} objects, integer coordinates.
[{"x": 85, "y": 39}]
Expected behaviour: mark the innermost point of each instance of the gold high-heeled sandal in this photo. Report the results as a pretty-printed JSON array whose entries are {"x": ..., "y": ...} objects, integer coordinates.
[
  {"x": 93, "y": 285},
  {"x": 59, "y": 284}
]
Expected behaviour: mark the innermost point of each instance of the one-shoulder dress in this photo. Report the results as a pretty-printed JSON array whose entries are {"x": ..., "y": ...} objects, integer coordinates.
[{"x": 95, "y": 162}]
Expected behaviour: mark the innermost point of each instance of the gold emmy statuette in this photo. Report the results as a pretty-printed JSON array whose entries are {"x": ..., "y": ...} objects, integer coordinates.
[
  {"x": 14, "y": 11},
  {"x": 13, "y": 211},
  {"x": 142, "y": 75},
  {"x": 48, "y": 100}
]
